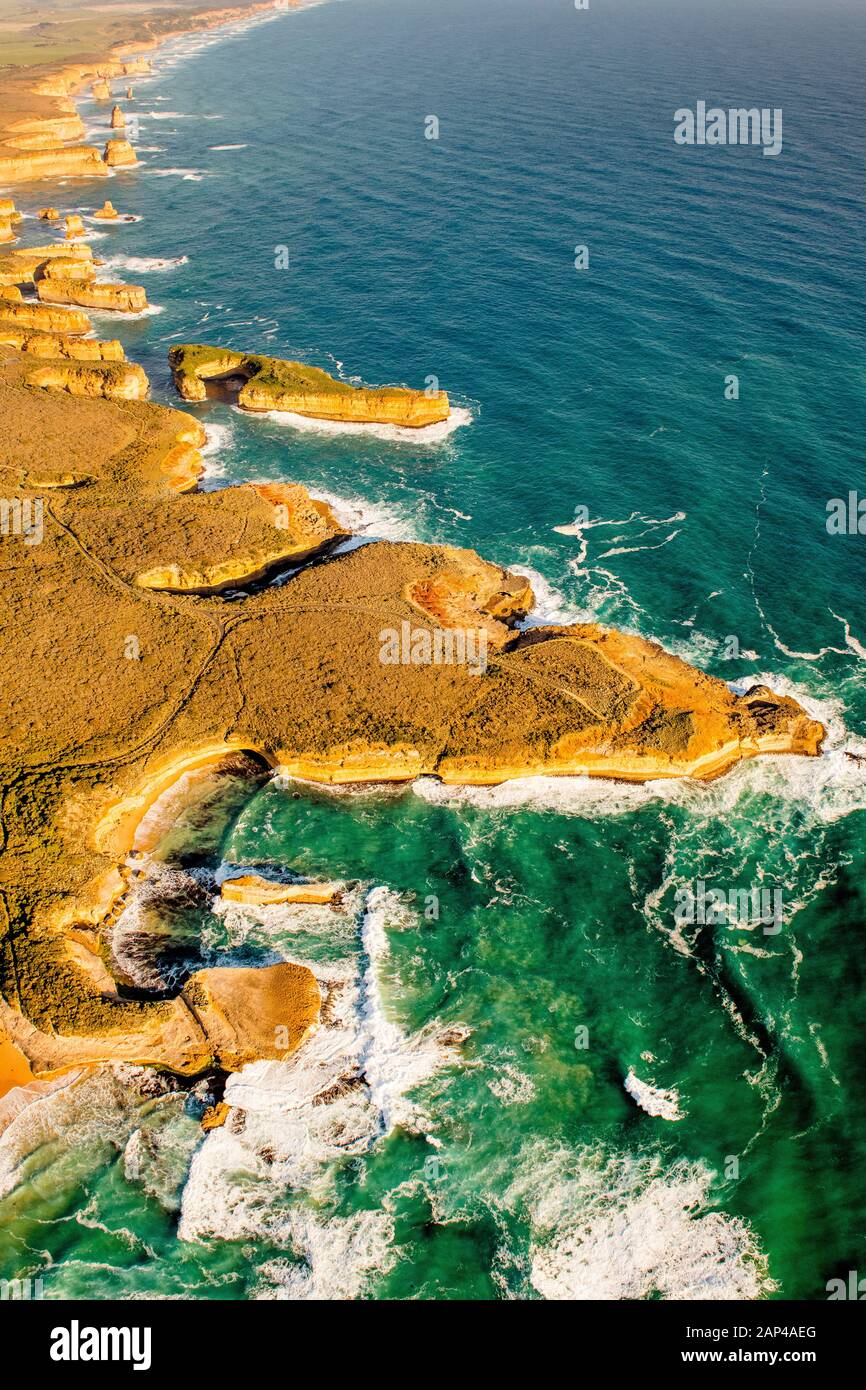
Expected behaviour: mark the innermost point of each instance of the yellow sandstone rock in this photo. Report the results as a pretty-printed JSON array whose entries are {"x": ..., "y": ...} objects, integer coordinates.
[
  {"x": 254, "y": 1014},
  {"x": 121, "y": 299},
  {"x": 118, "y": 120},
  {"x": 49, "y": 214},
  {"x": 21, "y": 264},
  {"x": 282, "y": 524},
  {"x": 215, "y": 1116},
  {"x": 64, "y": 268},
  {"x": 269, "y": 383},
  {"x": 119, "y": 153},
  {"x": 6, "y": 230},
  {"x": 45, "y": 131},
  {"x": 255, "y": 891},
  {"x": 101, "y": 90},
  {"x": 11, "y": 294},
  {"x": 107, "y": 212},
  {"x": 69, "y": 161},
  {"x": 46, "y": 318},
  {"x": 74, "y": 226},
  {"x": 292, "y": 678},
  {"x": 35, "y": 344},
  {"x": 123, "y": 381}
]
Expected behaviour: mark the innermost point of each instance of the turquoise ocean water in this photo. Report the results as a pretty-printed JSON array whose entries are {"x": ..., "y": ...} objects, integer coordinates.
[{"x": 707, "y": 1141}]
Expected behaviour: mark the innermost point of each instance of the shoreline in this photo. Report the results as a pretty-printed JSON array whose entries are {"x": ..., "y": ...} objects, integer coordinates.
[
  {"x": 60, "y": 75},
  {"x": 560, "y": 700}
]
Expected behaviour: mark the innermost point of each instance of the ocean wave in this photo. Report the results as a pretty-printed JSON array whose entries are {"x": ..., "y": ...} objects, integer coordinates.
[
  {"x": 188, "y": 175},
  {"x": 144, "y": 265},
  {"x": 613, "y": 1226},
  {"x": 365, "y": 519},
  {"x": 550, "y": 606},
  {"x": 653, "y": 1099},
  {"x": 346, "y": 1088},
  {"x": 113, "y": 316},
  {"x": 65, "y": 1131}
]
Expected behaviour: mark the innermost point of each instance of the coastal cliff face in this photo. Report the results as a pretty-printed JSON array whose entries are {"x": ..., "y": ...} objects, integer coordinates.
[
  {"x": 272, "y": 384},
  {"x": 75, "y": 161},
  {"x": 291, "y": 673},
  {"x": 122, "y": 299},
  {"x": 35, "y": 344},
  {"x": 281, "y": 525},
  {"x": 67, "y": 322}
]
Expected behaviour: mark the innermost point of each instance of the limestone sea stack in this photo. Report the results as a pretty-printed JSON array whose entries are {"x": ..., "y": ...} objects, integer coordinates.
[
  {"x": 101, "y": 90},
  {"x": 118, "y": 120},
  {"x": 7, "y": 231},
  {"x": 268, "y": 383},
  {"x": 254, "y": 891},
  {"x": 108, "y": 212},
  {"x": 21, "y": 264},
  {"x": 119, "y": 154},
  {"x": 121, "y": 299},
  {"x": 74, "y": 227},
  {"x": 48, "y": 215}
]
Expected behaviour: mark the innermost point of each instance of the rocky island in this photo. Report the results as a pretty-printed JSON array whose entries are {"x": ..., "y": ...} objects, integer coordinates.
[{"x": 268, "y": 383}]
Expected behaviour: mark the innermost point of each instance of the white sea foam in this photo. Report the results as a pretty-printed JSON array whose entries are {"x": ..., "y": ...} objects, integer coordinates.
[
  {"x": 115, "y": 317},
  {"x": 96, "y": 1112},
  {"x": 392, "y": 434},
  {"x": 622, "y": 1226},
  {"x": 655, "y": 1100},
  {"x": 340, "y": 1255},
  {"x": 510, "y": 1085},
  {"x": 188, "y": 175},
  {"x": 290, "y": 1121},
  {"x": 366, "y": 519},
  {"x": 550, "y": 606},
  {"x": 144, "y": 265},
  {"x": 227, "y": 147}
]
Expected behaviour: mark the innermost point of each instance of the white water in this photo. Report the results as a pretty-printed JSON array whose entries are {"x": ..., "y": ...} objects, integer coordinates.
[
  {"x": 392, "y": 434},
  {"x": 620, "y": 1226}
]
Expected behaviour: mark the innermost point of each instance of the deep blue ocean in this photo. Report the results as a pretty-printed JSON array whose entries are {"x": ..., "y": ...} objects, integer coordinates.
[{"x": 526, "y": 1165}]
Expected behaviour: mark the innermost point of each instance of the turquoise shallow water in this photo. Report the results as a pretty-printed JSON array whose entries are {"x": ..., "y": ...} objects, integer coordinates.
[{"x": 518, "y": 1162}]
